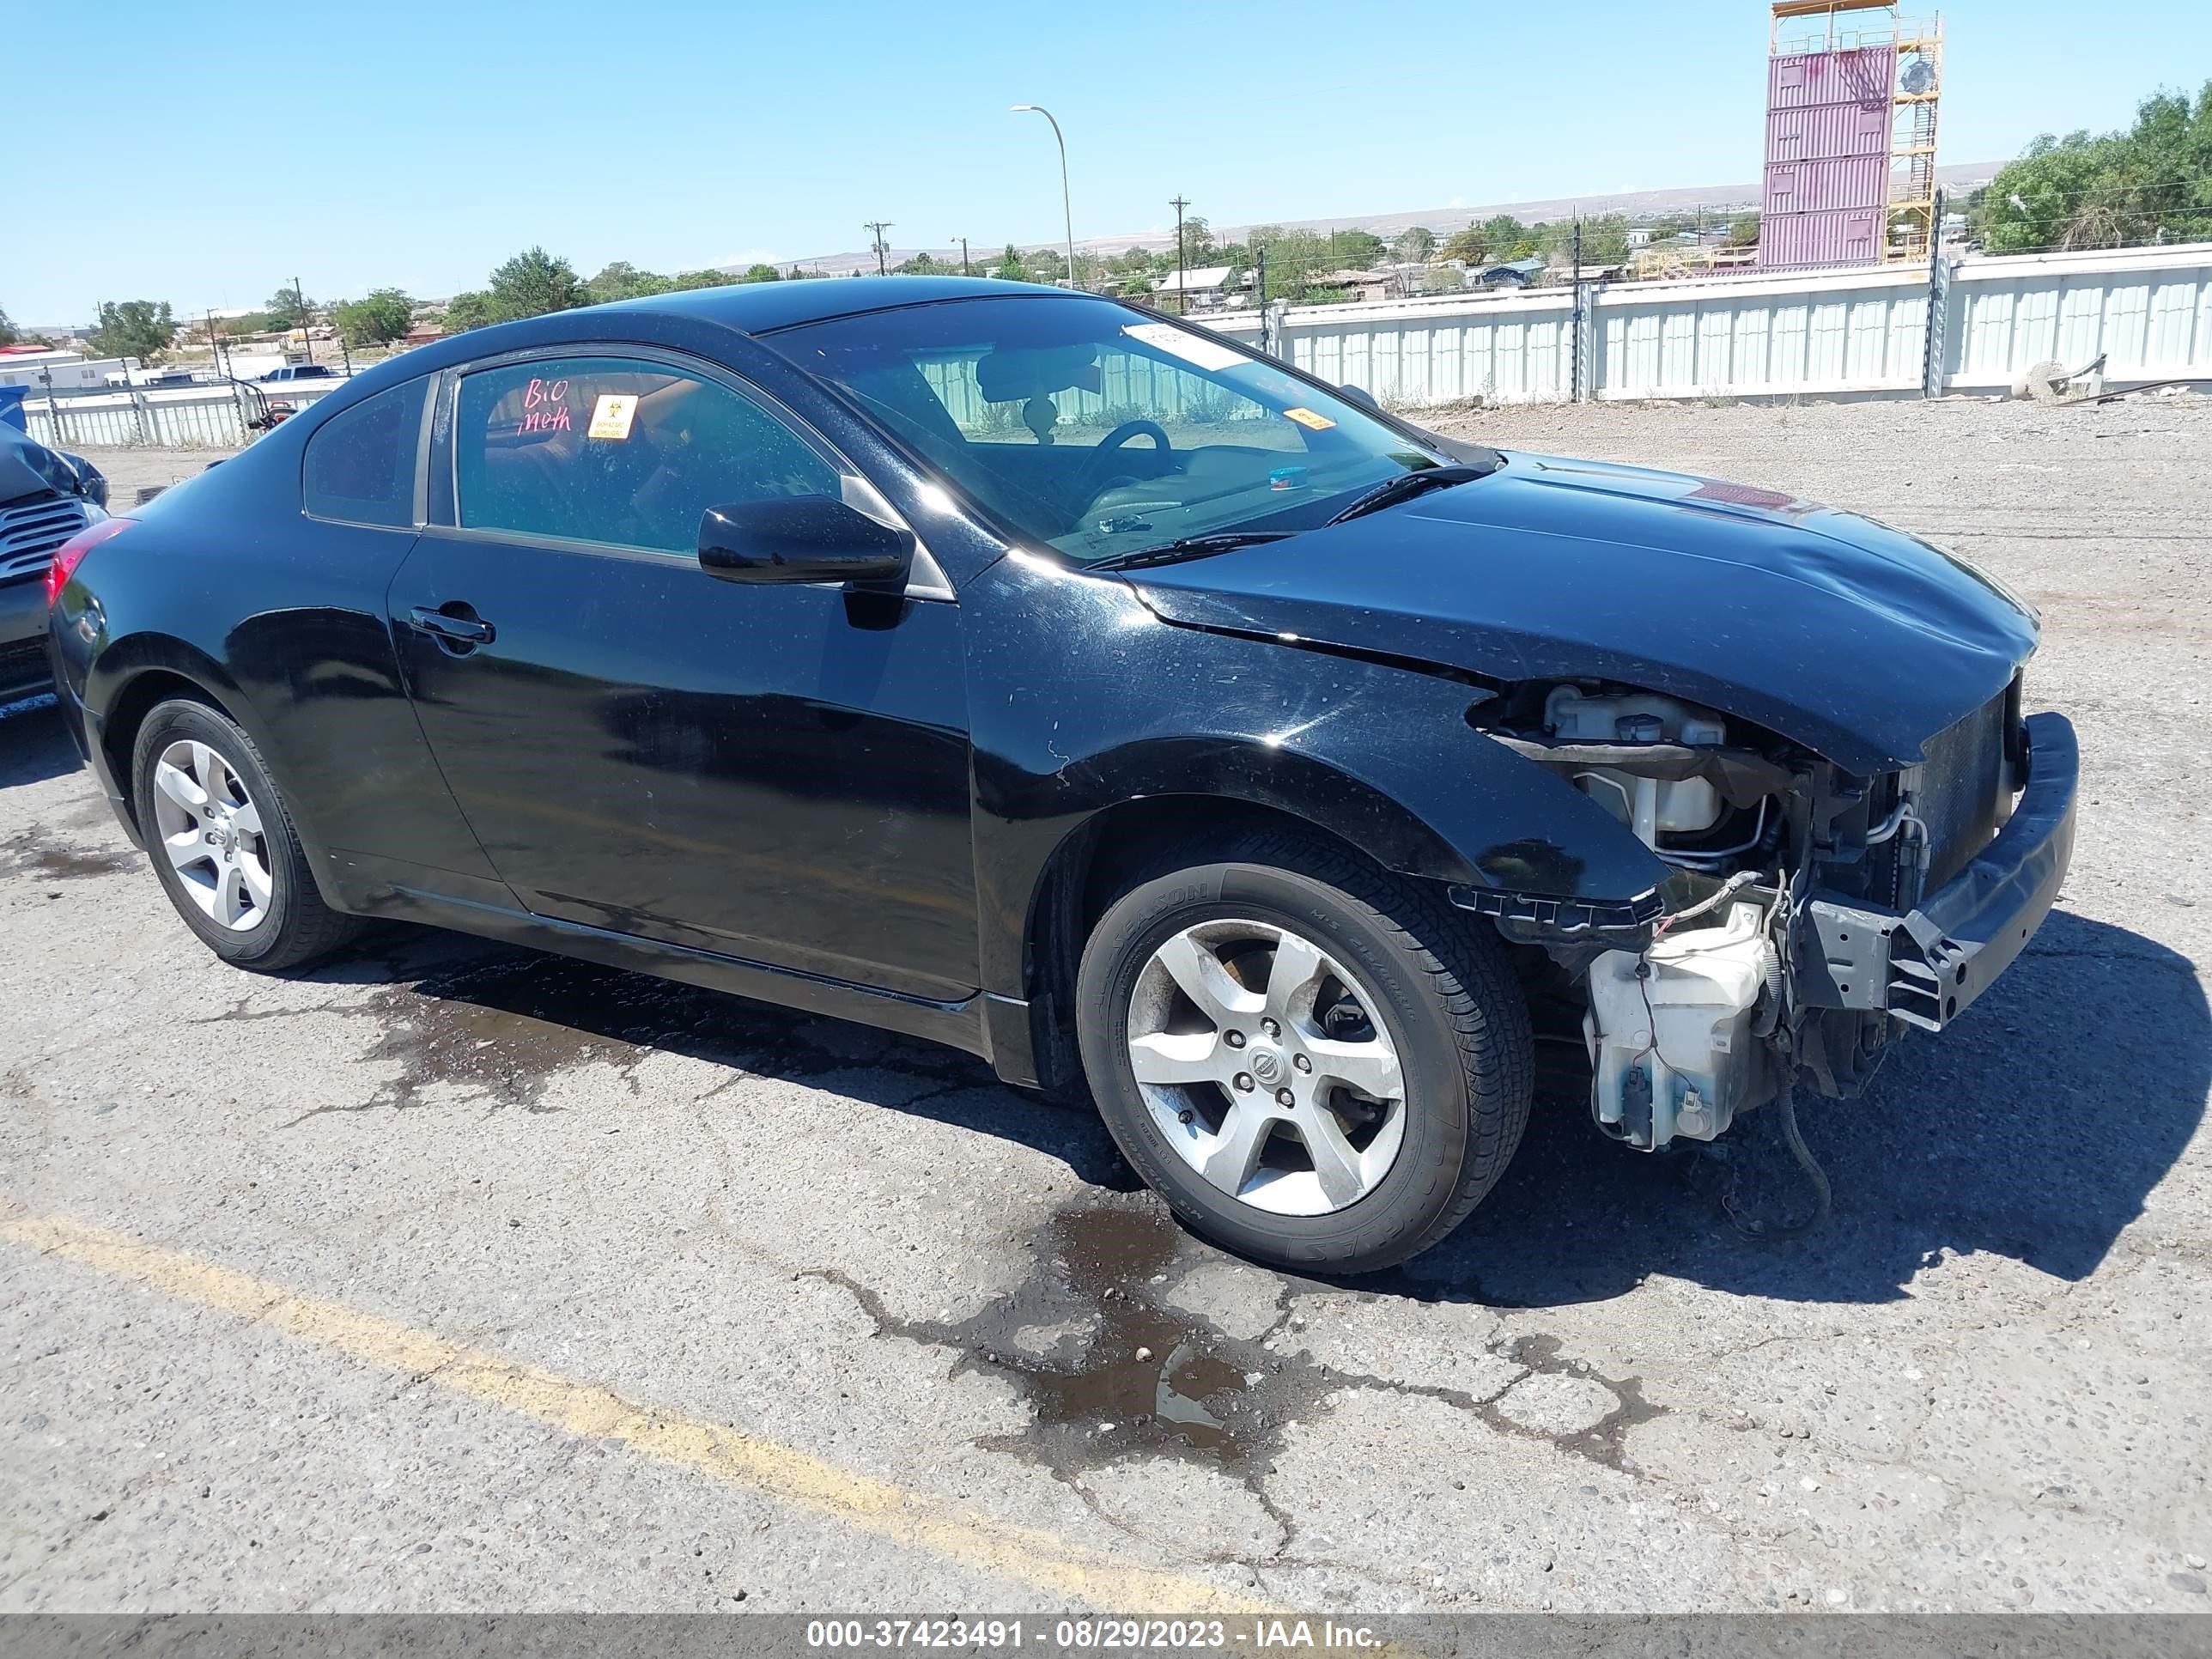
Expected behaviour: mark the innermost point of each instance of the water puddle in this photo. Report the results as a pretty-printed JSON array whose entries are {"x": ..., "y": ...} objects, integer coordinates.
[
  {"x": 501, "y": 1026},
  {"x": 45, "y": 859},
  {"x": 1110, "y": 1371},
  {"x": 1605, "y": 1441}
]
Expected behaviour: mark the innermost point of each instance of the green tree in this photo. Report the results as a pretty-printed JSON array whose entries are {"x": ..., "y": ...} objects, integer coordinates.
[
  {"x": 1355, "y": 250},
  {"x": 2151, "y": 183},
  {"x": 1297, "y": 260},
  {"x": 921, "y": 265},
  {"x": 1605, "y": 241},
  {"x": 377, "y": 319},
  {"x": 134, "y": 328},
  {"x": 288, "y": 307},
  {"x": 764, "y": 273},
  {"x": 1743, "y": 230},
  {"x": 1469, "y": 246},
  {"x": 623, "y": 281},
  {"x": 1505, "y": 237},
  {"x": 1199, "y": 247},
  {"x": 471, "y": 310},
  {"x": 686, "y": 280},
  {"x": 1414, "y": 246},
  {"x": 532, "y": 283},
  {"x": 7, "y": 333}
]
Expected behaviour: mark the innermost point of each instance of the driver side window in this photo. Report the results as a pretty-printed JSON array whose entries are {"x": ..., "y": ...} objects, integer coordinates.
[{"x": 618, "y": 452}]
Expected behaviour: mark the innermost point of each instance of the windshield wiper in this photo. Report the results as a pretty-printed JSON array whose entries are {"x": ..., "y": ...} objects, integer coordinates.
[
  {"x": 1407, "y": 485},
  {"x": 1190, "y": 547}
]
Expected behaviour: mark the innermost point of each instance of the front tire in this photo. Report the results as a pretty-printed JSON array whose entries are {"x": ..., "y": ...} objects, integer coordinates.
[
  {"x": 223, "y": 845},
  {"x": 1316, "y": 1064}
]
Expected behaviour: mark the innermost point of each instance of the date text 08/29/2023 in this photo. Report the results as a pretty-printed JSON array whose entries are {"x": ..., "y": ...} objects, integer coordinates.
[{"x": 1107, "y": 1634}]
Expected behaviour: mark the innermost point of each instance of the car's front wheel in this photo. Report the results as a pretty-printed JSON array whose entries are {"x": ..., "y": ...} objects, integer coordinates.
[
  {"x": 222, "y": 843},
  {"x": 1315, "y": 1063}
]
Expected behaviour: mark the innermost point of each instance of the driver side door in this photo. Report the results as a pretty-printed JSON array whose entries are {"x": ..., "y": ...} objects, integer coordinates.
[{"x": 774, "y": 773}]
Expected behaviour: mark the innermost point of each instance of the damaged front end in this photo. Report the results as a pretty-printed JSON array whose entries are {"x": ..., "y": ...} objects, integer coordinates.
[{"x": 1812, "y": 914}]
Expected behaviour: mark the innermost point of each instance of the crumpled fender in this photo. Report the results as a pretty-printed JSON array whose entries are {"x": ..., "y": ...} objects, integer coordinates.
[{"x": 1378, "y": 754}]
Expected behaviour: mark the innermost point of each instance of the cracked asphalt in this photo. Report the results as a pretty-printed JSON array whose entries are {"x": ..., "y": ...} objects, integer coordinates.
[{"x": 236, "y": 1214}]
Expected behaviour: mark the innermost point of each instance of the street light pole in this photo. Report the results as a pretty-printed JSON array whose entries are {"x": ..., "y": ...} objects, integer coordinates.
[{"x": 1067, "y": 212}]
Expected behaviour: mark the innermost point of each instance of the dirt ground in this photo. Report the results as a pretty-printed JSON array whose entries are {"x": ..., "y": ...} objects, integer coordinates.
[{"x": 447, "y": 1277}]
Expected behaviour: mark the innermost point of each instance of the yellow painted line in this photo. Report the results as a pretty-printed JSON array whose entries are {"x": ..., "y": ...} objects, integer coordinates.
[{"x": 895, "y": 1513}]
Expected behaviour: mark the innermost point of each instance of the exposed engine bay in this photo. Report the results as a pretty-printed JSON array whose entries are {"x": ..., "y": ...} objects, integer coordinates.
[{"x": 1747, "y": 977}]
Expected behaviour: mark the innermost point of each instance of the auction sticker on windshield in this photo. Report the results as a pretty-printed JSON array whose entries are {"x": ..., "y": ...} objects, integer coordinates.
[{"x": 1166, "y": 337}]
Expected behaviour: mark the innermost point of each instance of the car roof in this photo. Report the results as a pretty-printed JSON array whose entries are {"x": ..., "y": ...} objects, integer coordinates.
[
  {"x": 748, "y": 308},
  {"x": 763, "y": 308}
]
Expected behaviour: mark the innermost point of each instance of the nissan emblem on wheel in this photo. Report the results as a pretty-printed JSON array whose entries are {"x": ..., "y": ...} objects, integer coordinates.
[{"x": 1013, "y": 668}]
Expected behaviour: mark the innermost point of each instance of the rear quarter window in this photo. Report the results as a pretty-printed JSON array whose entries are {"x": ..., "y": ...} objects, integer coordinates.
[{"x": 360, "y": 466}]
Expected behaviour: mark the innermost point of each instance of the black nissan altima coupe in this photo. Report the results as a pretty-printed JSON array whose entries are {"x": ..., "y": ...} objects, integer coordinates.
[{"x": 1041, "y": 676}]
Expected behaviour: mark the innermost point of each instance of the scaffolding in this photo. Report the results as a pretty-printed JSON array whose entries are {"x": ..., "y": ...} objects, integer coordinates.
[{"x": 1915, "y": 93}]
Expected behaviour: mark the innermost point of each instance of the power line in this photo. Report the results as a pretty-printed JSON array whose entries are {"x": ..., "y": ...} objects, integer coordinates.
[{"x": 2116, "y": 186}]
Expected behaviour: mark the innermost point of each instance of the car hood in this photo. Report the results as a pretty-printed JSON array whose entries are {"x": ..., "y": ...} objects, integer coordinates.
[
  {"x": 1853, "y": 639},
  {"x": 24, "y": 464}
]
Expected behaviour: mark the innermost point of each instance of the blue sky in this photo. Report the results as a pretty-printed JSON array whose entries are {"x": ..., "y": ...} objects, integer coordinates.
[{"x": 204, "y": 154}]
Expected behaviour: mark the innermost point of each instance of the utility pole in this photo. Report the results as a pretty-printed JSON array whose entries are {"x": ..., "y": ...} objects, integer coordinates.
[
  {"x": 878, "y": 227},
  {"x": 965, "y": 271},
  {"x": 300, "y": 299},
  {"x": 1183, "y": 298},
  {"x": 1260, "y": 283}
]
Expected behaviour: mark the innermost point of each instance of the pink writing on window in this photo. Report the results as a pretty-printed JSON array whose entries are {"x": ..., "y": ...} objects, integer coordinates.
[{"x": 546, "y": 406}]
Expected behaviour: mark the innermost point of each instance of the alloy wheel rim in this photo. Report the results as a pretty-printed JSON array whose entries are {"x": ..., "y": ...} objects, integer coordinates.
[
  {"x": 210, "y": 829},
  {"x": 1264, "y": 1064}
]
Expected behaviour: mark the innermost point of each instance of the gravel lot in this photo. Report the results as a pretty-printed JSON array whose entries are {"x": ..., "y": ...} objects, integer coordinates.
[{"x": 380, "y": 1244}]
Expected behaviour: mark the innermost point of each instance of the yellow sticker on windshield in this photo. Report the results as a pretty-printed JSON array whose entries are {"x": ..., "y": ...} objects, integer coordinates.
[
  {"x": 1306, "y": 418},
  {"x": 611, "y": 416}
]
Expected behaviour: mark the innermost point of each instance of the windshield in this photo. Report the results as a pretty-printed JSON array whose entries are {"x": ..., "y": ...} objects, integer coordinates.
[{"x": 1103, "y": 430}]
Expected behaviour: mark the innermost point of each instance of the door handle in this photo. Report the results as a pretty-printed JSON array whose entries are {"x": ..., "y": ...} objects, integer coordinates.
[{"x": 460, "y": 631}]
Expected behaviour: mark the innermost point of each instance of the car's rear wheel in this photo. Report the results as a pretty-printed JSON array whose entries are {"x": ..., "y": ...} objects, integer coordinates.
[
  {"x": 1314, "y": 1063},
  {"x": 223, "y": 845}
]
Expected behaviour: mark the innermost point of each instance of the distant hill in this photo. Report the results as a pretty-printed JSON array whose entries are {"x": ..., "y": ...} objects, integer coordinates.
[{"x": 1718, "y": 199}]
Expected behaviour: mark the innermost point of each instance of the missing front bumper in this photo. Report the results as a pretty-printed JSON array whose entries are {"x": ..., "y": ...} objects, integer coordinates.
[{"x": 1927, "y": 966}]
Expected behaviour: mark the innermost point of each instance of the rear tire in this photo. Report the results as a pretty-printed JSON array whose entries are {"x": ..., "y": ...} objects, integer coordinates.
[
  {"x": 223, "y": 845},
  {"x": 1380, "y": 1041}
]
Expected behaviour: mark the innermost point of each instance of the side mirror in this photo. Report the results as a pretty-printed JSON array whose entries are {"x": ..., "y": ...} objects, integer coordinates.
[
  {"x": 1359, "y": 395},
  {"x": 801, "y": 539}
]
